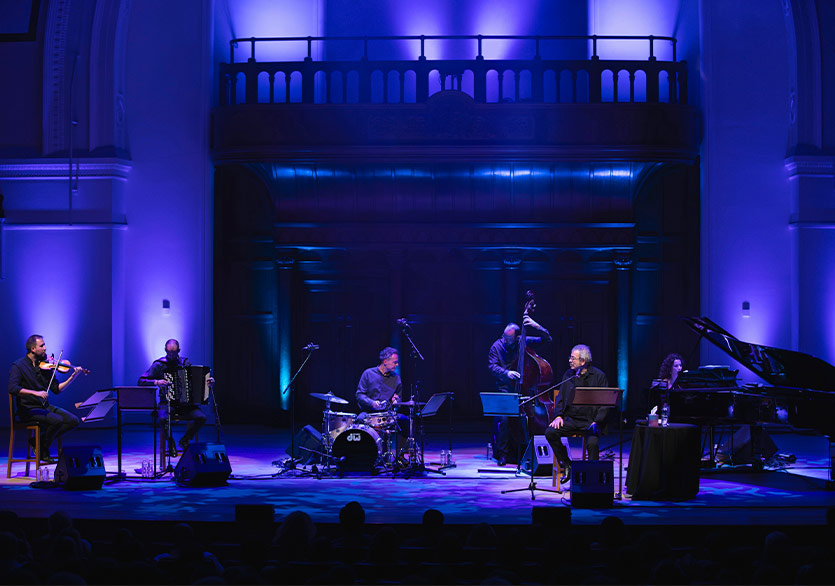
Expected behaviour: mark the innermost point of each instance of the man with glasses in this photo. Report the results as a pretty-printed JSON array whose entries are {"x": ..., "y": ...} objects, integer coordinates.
[{"x": 570, "y": 419}]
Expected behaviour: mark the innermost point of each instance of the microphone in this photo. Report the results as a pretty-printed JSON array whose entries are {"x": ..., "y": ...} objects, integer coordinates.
[
  {"x": 311, "y": 347},
  {"x": 403, "y": 323}
]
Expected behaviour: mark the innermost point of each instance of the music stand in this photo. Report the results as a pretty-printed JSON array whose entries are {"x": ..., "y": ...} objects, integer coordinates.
[
  {"x": 431, "y": 408},
  {"x": 605, "y": 397},
  {"x": 141, "y": 398},
  {"x": 500, "y": 404}
]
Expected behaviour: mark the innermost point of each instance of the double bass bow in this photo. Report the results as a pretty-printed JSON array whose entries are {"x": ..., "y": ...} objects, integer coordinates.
[{"x": 536, "y": 376}]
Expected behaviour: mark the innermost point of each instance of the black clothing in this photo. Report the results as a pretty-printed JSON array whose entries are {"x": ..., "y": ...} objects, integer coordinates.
[
  {"x": 376, "y": 386},
  {"x": 577, "y": 418},
  {"x": 563, "y": 405},
  {"x": 508, "y": 432},
  {"x": 501, "y": 359},
  {"x": 158, "y": 370},
  {"x": 164, "y": 369},
  {"x": 53, "y": 421},
  {"x": 24, "y": 375}
]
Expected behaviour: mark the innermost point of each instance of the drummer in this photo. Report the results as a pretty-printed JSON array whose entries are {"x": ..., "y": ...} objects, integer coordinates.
[{"x": 379, "y": 388}]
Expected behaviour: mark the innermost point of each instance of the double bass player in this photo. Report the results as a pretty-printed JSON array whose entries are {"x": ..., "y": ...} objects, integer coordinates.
[{"x": 503, "y": 362}]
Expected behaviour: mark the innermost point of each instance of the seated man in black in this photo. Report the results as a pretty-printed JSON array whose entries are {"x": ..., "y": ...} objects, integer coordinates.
[
  {"x": 31, "y": 385},
  {"x": 162, "y": 373},
  {"x": 570, "y": 419}
]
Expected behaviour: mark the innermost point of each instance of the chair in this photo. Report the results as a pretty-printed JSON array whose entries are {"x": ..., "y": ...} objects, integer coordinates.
[{"x": 33, "y": 430}]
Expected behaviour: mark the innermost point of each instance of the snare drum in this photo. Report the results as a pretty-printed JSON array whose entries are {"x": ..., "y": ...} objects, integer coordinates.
[
  {"x": 338, "y": 421},
  {"x": 381, "y": 419},
  {"x": 359, "y": 447}
]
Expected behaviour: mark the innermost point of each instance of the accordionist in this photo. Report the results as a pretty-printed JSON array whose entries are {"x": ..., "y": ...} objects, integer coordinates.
[{"x": 179, "y": 395}]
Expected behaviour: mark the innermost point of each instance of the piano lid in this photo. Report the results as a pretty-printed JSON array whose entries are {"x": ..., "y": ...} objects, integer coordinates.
[{"x": 778, "y": 367}]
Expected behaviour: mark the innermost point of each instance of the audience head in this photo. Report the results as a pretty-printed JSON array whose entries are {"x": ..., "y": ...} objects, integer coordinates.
[{"x": 352, "y": 515}]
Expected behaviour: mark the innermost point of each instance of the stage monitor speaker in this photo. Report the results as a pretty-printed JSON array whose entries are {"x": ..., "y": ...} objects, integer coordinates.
[
  {"x": 203, "y": 464},
  {"x": 543, "y": 459},
  {"x": 751, "y": 444},
  {"x": 308, "y": 441},
  {"x": 592, "y": 484},
  {"x": 80, "y": 468}
]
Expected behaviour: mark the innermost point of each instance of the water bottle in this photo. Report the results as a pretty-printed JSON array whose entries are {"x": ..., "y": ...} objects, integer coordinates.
[
  {"x": 448, "y": 458},
  {"x": 443, "y": 457},
  {"x": 489, "y": 451},
  {"x": 665, "y": 415}
]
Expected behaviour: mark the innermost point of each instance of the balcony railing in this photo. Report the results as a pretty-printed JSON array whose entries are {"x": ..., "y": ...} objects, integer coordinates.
[{"x": 402, "y": 81}]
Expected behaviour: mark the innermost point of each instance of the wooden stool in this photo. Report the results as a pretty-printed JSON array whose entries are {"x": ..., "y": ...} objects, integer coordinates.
[
  {"x": 33, "y": 430},
  {"x": 557, "y": 469}
]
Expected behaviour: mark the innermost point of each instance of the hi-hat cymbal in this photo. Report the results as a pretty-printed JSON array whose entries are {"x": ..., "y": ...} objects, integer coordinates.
[
  {"x": 409, "y": 404},
  {"x": 329, "y": 397}
]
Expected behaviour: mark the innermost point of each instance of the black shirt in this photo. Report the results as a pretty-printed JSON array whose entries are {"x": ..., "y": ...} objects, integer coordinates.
[
  {"x": 23, "y": 375},
  {"x": 501, "y": 359},
  {"x": 564, "y": 407}
]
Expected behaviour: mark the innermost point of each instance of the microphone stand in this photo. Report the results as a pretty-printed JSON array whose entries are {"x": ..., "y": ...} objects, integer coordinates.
[
  {"x": 531, "y": 444},
  {"x": 415, "y": 462},
  {"x": 213, "y": 397},
  {"x": 291, "y": 465}
]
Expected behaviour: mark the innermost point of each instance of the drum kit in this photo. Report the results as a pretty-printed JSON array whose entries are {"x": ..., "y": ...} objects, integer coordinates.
[{"x": 363, "y": 443}]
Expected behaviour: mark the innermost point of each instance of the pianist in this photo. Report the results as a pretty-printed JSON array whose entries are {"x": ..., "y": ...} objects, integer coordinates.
[
  {"x": 671, "y": 367},
  {"x": 162, "y": 373},
  {"x": 667, "y": 379}
]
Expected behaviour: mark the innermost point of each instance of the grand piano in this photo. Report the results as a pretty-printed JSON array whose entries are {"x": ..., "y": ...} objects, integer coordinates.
[{"x": 800, "y": 389}]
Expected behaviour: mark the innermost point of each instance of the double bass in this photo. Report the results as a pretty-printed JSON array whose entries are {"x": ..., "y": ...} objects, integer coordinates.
[{"x": 536, "y": 377}]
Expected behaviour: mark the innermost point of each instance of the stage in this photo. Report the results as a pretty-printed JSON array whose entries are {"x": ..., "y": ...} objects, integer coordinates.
[{"x": 469, "y": 493}]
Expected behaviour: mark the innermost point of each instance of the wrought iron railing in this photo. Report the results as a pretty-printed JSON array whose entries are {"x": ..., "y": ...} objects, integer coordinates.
[{"x": 534, "y": 80}]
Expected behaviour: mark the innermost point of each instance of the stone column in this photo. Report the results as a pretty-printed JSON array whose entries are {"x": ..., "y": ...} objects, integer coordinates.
[
  {"x": 623, "y": 265},
  {"x": 281, "y": 333}
]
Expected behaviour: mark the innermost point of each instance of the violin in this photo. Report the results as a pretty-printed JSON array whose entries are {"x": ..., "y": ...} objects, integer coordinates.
[{"x": 59, "y": 365}]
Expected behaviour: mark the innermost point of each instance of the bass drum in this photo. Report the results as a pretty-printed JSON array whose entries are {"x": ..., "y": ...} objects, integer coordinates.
[{"x": 357, "y": 449}]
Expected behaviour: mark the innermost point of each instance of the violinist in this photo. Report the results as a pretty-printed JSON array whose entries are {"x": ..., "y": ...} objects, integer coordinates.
[
  {"x": 503, "y": 360},
  {"x": 162, "y": 374},
  {"x": 30, "y": 384},
  {"x": 570, "y": 419}
]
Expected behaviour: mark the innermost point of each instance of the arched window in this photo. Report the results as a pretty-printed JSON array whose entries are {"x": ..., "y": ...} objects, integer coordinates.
[
  {"x": 549, "y": 87},
  {"x": 264, "y": 87},
  {"x": 409, "y": 86},
  {"x": 492, "y": 86},
  {"x": 377, "y": 87}
]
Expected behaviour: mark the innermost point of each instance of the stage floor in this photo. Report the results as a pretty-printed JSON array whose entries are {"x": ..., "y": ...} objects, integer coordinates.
[{"x": 469, "y": 493}]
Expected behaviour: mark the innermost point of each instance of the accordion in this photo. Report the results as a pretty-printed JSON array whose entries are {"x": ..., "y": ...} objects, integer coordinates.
[{"x": 189, "y": 385}]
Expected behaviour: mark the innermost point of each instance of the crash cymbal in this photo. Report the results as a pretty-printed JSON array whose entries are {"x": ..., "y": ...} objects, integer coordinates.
[{"x": 329, "y": 397}]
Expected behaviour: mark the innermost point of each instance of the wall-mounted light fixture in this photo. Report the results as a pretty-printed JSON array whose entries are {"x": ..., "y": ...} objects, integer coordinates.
[
  {"x": 746, "y": 309},
  {"x": 166, "y": 307}
]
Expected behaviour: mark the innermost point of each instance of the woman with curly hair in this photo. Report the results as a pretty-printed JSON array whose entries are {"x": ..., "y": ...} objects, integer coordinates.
[{"x": 673, "y": 364}]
